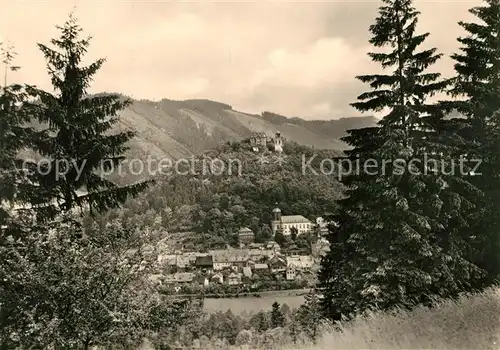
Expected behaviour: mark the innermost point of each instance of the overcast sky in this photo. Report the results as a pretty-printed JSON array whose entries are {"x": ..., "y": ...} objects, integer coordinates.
[{"x": 289, "y": 57}]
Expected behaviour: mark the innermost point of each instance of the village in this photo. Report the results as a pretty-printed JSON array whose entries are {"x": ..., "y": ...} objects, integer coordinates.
[{"x": 251, "y": 267}]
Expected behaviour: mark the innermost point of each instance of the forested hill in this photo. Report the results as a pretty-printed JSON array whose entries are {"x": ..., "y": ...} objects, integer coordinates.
[
  {"x": 215, "y": 204},
  {"x": 178, "y": 129}
]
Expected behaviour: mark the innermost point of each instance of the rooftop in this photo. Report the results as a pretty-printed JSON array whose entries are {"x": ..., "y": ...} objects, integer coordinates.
[
  {"x": 260, "y": 266},
  {"x": 245, "y": 230},
  {"x": 233, "y": 255},
  {"x": 292, "y": 219},
  {"x": 180, "y": 277},
  {"x": 204, "y": 260}
]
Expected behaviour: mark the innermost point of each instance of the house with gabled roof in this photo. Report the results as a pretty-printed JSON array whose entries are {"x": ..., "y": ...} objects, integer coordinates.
[
  {"x": 272, "y": 247},
  {"x": 223, "y": 259},
  {"x": 246, "y": 236},
  {"x": 217, "y": 278},
  {"x": 277, "y": 264}
]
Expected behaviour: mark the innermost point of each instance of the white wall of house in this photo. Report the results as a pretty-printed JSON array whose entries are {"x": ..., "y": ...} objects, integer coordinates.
[
  {"x": 302, "y": 227},
  {"x": 221, "y": 265}
]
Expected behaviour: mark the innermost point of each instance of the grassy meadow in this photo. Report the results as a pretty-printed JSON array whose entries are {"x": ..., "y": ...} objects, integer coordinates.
[{"x": 471, "y": 322}]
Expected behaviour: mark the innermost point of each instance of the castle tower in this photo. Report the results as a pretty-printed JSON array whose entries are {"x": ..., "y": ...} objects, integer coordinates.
[
  {"x": 278, "y": 142},
  {"x": 276, "y": 221}
]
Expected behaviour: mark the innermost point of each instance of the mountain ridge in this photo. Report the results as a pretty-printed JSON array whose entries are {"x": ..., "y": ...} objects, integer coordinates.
[
  {"x": 181, "y": 129},
  {"x": 212, "y": 122}
]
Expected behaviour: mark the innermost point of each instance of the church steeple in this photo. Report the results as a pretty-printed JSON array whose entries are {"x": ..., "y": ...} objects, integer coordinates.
[{"x": 277, "y": 214}]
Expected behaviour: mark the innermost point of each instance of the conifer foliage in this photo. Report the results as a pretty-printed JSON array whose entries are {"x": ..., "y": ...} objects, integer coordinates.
[
  {"x": 81, "y": 144},
  {"x": 477, "y": 84},
  {"x": 14, "y": 136},
  {"x": 478, "y": 63},
  {"x": 397, "y": 241}
]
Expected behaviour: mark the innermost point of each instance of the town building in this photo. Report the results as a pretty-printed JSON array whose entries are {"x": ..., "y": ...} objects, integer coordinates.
[
  {"x": 259, "y": 141},
  {"x": 284, "y": 223},
  {"x": 246, "y": 236},
  {"x": 167, "y": 259},
  {"x": 204, "y": 262},
  {"x": 178, "y": 278},
  {"x": 300, "y": 262},
  {"x": 260, "y": 267},
  {"x": 217, "y": 278},
  {"x": 277, "y": 264},
  {"x": 234, "y": 279},
  {"x": 290, "y": 273},
  {"x": 320, "y": 248},
  {"x": 322, "y": 226},
  {"x": 247, "y": 271},
  {"x": 223, "y": 259},
  {"x": 273, "y": 247}
]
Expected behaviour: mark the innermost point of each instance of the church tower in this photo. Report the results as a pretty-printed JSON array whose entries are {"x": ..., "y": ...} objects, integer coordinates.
[{"x": 276, "y": 221}]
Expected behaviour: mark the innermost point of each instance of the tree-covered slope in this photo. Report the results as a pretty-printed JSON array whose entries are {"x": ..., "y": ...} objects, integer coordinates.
[{"x": 206, "y": 198}]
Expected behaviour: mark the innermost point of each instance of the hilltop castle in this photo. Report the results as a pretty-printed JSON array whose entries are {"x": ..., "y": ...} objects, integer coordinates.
[{"x": 260, "y": 139}]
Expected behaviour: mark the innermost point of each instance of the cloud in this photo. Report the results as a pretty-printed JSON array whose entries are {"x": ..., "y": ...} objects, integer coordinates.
[
  {"x": 308, "y": 81},
  {"x": 293, "y": 58}
]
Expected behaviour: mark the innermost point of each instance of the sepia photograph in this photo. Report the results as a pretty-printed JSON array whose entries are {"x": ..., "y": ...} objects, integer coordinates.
[{"x": 249, "y": 175}]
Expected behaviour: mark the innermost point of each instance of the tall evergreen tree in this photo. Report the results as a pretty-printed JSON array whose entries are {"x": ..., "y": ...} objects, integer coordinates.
[
  {"x": 81, "y": 143},
  {"x": 309, "y": 315},
  {"x": 277, "y": 317},
  {"x": 477, "y": 84},
  {"x": 14, "y": 136},
  {"x": 396, "y": 241},
  {"x": 478, "y": 63}
]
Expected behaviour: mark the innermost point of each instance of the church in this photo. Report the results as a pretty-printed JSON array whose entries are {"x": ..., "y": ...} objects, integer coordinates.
[{"x": 286, "y": 222}]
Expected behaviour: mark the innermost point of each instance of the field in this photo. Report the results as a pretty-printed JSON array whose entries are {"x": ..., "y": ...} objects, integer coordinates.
[{"x": 253, "y": 304}]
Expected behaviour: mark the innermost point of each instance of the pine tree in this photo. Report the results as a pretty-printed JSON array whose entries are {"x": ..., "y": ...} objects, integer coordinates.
[
  {"x": 309, "y": 315},
  {"x": 277, "y": 318},
  {"x": 260, "y": 321},
  {"x": 293, "y": 233},
  {"x": 14, "y": 136},
  {"x": 478, "y": 63},
  {"x": 81, "y": 143},
  {"x": 477, "y": 83},
  {"x": 396, "y": 241}
]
